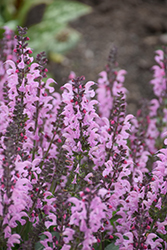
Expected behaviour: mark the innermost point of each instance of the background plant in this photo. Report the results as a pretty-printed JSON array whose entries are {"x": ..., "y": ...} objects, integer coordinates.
[{"x": 49, "y": 30}]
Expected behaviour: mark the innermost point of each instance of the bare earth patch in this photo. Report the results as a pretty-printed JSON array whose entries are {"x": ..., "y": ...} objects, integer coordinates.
[{"x": 136, "y": 27}]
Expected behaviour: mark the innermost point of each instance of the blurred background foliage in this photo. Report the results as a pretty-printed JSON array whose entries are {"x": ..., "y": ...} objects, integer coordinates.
[{"x": 47, "y": 21}]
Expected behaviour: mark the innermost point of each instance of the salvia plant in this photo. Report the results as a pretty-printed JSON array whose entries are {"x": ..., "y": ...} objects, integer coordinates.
[{"x": 77, "y": 171}]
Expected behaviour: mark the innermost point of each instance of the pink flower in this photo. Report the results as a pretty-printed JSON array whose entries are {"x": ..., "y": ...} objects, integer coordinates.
[
  {"x": 48, "y": 239},
  {"x": 152, "y": 242},
  {"x": 18, "y": 217},
  {"x": 11, "y": 67},
  {"x": 48, "y": 82},
  {"x": 66, "y": 247},
  {"x": 120, "y": 75},
  {"x": 154, "y": 105},
  {"x": 89, "y": 92},
  {"x": 69, "y": 232},
  {"x": 7, "y": 231},
  {"x": 78, "y": 212},
  {"x": 72, "y": 75},
  {"x": 14, "y": 238},
  {"x": 159, "y": 57},
  {"x": 53, "y": 221},
  {"x": 97, "y": 213},
  {"x": 128, "y": 241},
  {"x": 89, "y": 240}
]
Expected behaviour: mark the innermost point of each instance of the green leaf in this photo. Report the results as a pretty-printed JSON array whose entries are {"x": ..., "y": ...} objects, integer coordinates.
[
  {"x": 55, "y": 234},
  {"x": 23, "y": 11},
  {"x": 1, "y": 32},
  {"x": 8, "y": 10},
  {"x": 11, "y": 24},
  {"x": 44, "y": 38},
  {"x": 39, "y": 246},
  {"x": 125, "y": 237},
  {"x": 108, "y": 247},
  {"x": 112, "y": 247},
  {"x": 115, "y": 218},
  {"x": 164, "y": 237},
  {"x": 53, "y": 35},
  {"x": 2, "y": 21},
  {"x": 63, "y": 11},
  {"x": 97, "y": 246}
]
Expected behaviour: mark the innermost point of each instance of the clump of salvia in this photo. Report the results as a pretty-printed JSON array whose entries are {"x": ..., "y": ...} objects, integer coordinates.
[{"x": 77, "y": 171}]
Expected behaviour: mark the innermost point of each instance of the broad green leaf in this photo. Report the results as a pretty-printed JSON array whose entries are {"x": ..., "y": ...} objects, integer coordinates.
[
  {"x": 2, "y": 21},
  {"x": 51, "y": 42},
  {"x": 1, "y": 32},
  {"x": 63, "y": 11},
  {"x": 11, "y": 24},
  {"x": 97, "y": 246},
  {"x": 39, "y": 246},
  {"x": 53, "y": 34},
  {"x": 8, "y": 9},
  {"x": 112, "y": 247},
  {"x": 23, "y": 11}
]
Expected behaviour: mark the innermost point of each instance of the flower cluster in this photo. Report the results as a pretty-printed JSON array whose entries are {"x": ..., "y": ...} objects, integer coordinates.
[{"x": 77, "y": 171}]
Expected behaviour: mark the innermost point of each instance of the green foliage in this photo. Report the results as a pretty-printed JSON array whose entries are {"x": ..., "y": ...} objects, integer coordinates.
[
  {"x": 1, "y": 32},
  {"x": 56, "y": 36},
  {"x": 39, "y": 246},
  {"x": 112, "y": 247},
  {"x": 52, "y": 34}
]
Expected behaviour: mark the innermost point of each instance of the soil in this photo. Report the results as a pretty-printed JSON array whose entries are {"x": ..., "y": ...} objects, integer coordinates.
[{"x": 136, "y": 27}]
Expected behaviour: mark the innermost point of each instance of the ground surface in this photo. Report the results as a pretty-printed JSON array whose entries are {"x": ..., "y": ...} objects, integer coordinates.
[{"x": 136, "y": 27}]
